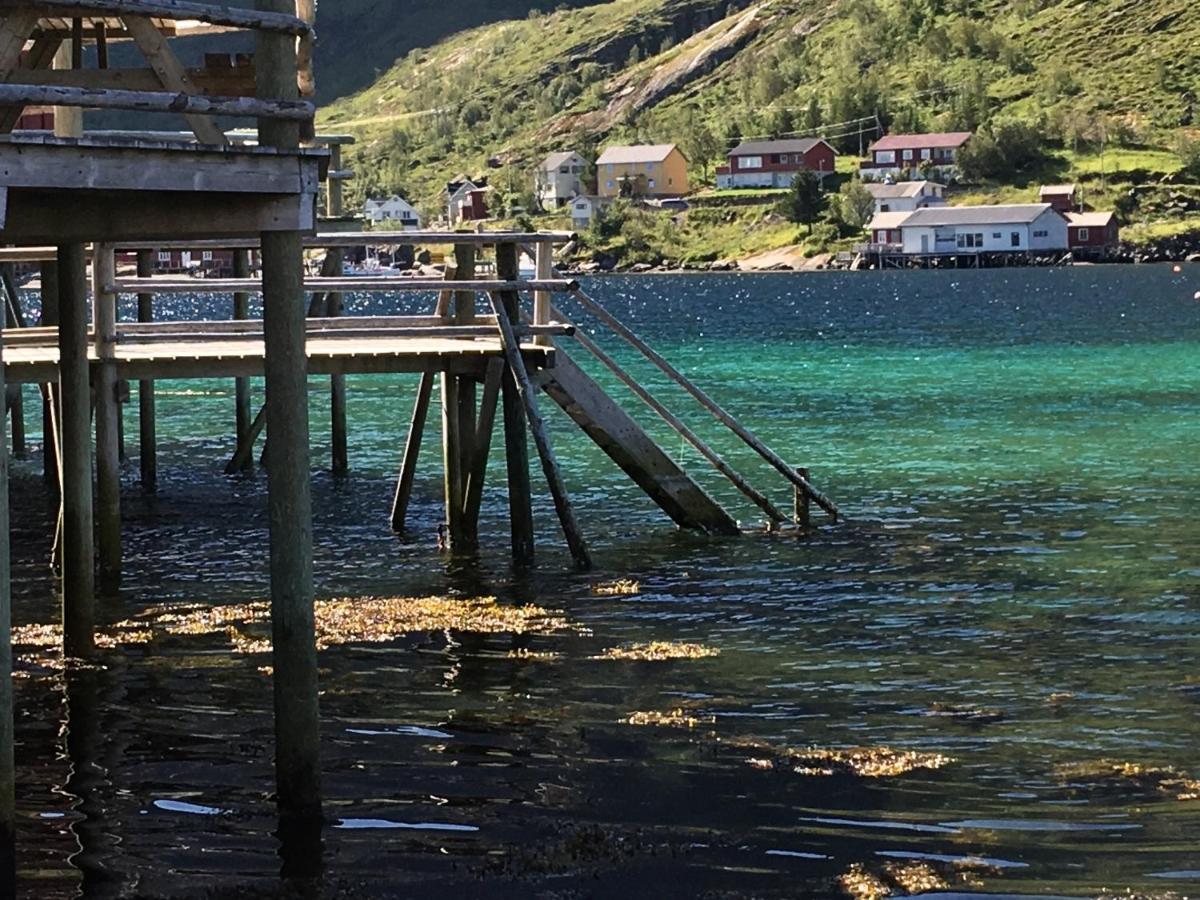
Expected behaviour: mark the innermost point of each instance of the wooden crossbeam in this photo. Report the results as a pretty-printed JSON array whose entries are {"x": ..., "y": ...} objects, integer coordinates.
[
  {"x": 230, "y": 82},
  {"x": 171, "y": 73},
  {"x": 180, "y": 10},
  {"x": 251, "y": 285},
  {"x": 41, "y": 58},
  {"x": 156, "y": 101}
]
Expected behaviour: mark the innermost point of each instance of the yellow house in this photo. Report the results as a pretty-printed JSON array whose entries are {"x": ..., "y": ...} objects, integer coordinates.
[{"x": 650, "y": 170}]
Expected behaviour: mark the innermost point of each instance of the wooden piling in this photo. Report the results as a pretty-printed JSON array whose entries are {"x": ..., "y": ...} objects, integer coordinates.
[
  {"x": 241, "y": 310},
  {"x": 8, "y": 794},
  {"x": 516, "y": 447},
  {"x": 458, "y": 408},
  {"x": 108, "y": 462},
  {"x": 147, "y": 421},
  {"x": 541, "y": 437},
  {"x": 412, "y": 450},
  {"x": 14, "y": 398},
  {"x": 78, "y": 548},
  {"x": 50, "y": 465},
  {"x": 477, "y": 471},
  {"x": 339, "y": 443},
  {"x": 544, "y": 263},
  {"x": 803, "y": 504},
  {"x": 289, "y": 497}
]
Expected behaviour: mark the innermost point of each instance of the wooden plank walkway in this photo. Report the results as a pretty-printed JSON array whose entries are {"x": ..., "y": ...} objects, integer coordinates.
[{"x": 244, "y": 356}]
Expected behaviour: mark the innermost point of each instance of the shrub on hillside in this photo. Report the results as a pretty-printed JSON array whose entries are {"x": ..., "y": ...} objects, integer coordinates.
[
  {"x": 1001, "y": 151},
  {"x": 1188, "y": 149}
]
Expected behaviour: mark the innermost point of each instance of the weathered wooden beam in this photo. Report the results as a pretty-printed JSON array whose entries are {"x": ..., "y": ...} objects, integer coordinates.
[
  {"x": 15, "y": 30},
  {"x": 210, "y": 82},
  {"x": 541, "y": 438},
  {"x": 147, "y": 414},
  {"x": 484, "y": 425},
  {"x": 243, "y": 456},
  {"x": 516, "y": 447},
  {"x": 211, "y": 14},
  {"x": 171, "y": 73},
  {"x": 78, "y": 547},
  {"x": 14, "y": 318},
  {"x": 707, "y": 402},
  {"x": 8, "y": 792},
  {"x": 375, "y": 239},
  {"x": 155, "y": 101},
  {"x": 48, "y": 275},
  {"x": 241, "y": 387},
  {"x": 108, "y": 463},
  {"x": 41, "y": 58},
  {"x": 289, "y": 493},
  {"x": 412, "y": 450},
  {"x": 467, "y": 538},
  {"x": 412, "y": 285}
]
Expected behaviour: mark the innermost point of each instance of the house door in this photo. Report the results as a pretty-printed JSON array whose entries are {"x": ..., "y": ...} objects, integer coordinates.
[{"x": 924, "y": 243}]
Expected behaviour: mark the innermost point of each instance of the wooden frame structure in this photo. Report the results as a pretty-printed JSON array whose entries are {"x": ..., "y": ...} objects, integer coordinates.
[{"x": 91, "y": 196}]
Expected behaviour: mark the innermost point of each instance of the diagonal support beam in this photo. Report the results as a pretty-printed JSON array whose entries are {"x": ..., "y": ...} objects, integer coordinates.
[
  {"x": 41, "y": 57},
  {"x": 172, "y": 74}
]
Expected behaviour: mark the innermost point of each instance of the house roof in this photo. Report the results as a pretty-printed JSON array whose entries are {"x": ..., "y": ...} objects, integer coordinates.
[
  {"x": 643, "y": 153},
  {"x": 899, "y": 189},
  {"x": 755, "y": 148},
  {"x": 554, "y": 160},
  {"x": 1090, "y": 219},
  {"x": 1014, "y": 214},
  {"x": 921, "y": 141},
  {"x": 1055, "y": 190},
  {"x": 888, "y": 220}
]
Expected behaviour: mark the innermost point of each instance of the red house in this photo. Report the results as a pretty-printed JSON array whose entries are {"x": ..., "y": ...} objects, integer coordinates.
[
  {"x": 1060, "y": 196},
  {"x": 1093, "y": 235},
  {"x": 900, "y": 154},
  {"x": 209, "y": 263},
  {"x": 775, "y": 164}
]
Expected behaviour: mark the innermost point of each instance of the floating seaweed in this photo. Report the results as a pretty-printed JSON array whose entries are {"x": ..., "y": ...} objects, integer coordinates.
[
  {"x": 1114, "y": 774},
  {"x": 658, "y": 651},
  {"x": 896, "y": 879},
  {"x": 979, "y": 715},
  {"x": 624, "y": 587},
  {"x": 676, "y": 718},
  {"x": 862, "y": 762},
  {"x": 915, "y": 878},
  {"x": 860, "y": 884},
  {"x": 534, "y": 655}
]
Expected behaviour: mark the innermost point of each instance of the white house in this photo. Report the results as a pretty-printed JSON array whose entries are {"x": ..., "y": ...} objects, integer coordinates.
[
  {"x": 393, "y": 209},
  {"x": 957, "y": 230},
  {"x": 559, "y": 178},
  {"x": 585, "y": 208},
  {"x": 906, "y": 196}
]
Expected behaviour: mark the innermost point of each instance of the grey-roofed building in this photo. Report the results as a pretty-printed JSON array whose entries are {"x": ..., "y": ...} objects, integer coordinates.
[
  {"x": 906, "y": 196},
  {"x": 559, "y": 178},
  {"x": 956, "y": 230}
]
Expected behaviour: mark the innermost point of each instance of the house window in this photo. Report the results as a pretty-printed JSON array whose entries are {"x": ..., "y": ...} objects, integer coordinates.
[
  {"x": 996, "y": 235},
  {"x": 610, "y": 184},
  {"x": 1083, "y": 234},
  {"x": 885, "y": 156},
  {"x": 907, "y": 155},
  {"x": 164, "y": 256},
  {"x": 925, "y": 154},
  {"x": 1016, "y": 239},
  {"x": 750, "y": 162},
  {"x": 651, "y": 183},
  {"x": 1041, "y": 234},
  {"x": 885, "y": 207},
  {"x": 565, "y": 170},
  {"x": 969, "y": 241},
  {"x": 206, "y": 255}
]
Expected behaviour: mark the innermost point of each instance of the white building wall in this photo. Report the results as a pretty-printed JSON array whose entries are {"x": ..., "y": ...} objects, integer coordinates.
[
  {"x": 1057, "y": 232},
  {"x": 995, "y": 238}
]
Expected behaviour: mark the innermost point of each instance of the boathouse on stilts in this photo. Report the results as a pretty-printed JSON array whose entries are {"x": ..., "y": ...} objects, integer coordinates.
[{"x": 74, "y": 203}]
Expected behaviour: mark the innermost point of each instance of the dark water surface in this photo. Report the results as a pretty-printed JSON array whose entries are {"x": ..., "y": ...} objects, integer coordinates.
[{"x": 1016, "y": 587}]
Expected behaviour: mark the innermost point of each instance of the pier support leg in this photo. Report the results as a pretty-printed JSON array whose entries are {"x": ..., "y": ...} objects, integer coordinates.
[
  {"x": 49, "y": 279},
  {"x": 14, "y": 399},
  {"x": 412, "y": 449},
  {"x": 8, "y": 797},
  {"x": 289, "y": 491},
  {"x": 147, "y": 424},
  {"x": 241, "y": 386},
  {"x": 78, "y": 551},
  {"x": 802, "y": 512},
  {"x": 516, "y": 446},
  {"x": 458, "y": 417},
  {"x": 340, "y": 456},
  {"x": 452, "y": 460},
  {"x": 108, "y": 459}
]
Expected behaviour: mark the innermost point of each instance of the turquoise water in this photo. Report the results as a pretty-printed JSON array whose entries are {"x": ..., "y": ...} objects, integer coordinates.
[{"x": 1015, "y": 587}]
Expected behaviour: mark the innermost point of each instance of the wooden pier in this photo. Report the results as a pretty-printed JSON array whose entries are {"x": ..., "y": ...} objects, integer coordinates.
[{"x": 495, "y": 348}]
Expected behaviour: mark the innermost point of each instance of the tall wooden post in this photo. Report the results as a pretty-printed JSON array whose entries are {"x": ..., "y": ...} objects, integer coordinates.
[
  {"x": 8, "y": 795},
  {"x": 458, "y": 417},
  {"x": 337, "y": 383},
  {"x": 147, "y": 424},
  {"x": 516, "y": 445},
  {"x": 544, "y": 264},
  {"x": 241, "y": 388},
  {"x": 49, "y": 279},
  {"x": 78, "y": 549},
  {"x": 334, "y": 207},
  {"x": 289, "y": 498},
  {"x": 14, "y": 398},
  {"x": 108, "y": 462},
  {"x": 802, "y": 511}
]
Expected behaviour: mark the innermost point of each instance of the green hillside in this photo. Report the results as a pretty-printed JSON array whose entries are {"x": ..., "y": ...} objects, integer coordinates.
[{"x": 1117, "y": 74}]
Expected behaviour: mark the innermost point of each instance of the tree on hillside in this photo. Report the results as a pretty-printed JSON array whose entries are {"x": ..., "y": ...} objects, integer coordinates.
[
  {"x": 1001, "y": 151},
  {"x": 699, "y": 143},
  {"x": 1188, "y": 149},
  {"x": 806, "y": 200},
  {"x": 856, "y": 206}
]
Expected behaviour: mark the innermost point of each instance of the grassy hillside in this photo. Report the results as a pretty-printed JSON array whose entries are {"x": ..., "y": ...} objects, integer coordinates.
[{"x": 1120, "y": 74}]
